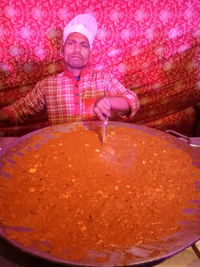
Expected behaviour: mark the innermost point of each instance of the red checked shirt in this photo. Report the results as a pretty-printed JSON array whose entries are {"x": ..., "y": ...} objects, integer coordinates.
[{"x": 69, "y": 100}]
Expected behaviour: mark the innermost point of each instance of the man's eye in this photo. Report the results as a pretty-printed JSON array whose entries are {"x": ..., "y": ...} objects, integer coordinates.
[
  {"x": 70, "y": 43},
  {"x": 85, "y": 45}
]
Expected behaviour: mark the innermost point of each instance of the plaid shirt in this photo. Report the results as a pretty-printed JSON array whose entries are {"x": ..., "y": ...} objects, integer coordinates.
[{"x": 69, "y": 100}]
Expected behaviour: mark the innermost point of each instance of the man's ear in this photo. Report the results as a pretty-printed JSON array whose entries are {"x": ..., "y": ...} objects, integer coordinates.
[{"x": 62, "y": 50}]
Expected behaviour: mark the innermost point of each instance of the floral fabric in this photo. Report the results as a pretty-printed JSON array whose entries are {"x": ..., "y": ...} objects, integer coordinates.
[{"x": 152, "y": 47}]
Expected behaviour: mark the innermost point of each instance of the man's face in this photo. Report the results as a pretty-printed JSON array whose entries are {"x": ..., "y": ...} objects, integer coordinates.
[{"x": 76, "y": 51}]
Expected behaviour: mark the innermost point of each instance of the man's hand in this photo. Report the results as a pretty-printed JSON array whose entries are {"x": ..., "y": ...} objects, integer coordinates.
[{"x": 104, "y": 106}]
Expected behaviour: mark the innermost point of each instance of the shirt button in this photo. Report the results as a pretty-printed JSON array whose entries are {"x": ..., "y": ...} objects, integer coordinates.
[
  {"x": 77, "y": 94},
  {"x": 76, "y": 85},
  {"x": 77, "y": 103}
]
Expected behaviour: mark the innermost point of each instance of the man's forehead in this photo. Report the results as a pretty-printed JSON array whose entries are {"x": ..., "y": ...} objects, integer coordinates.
[{"x": 77, "y": 35}]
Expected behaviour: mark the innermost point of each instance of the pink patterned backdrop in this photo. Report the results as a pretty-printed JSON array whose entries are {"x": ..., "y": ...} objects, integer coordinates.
[{"x": 151, "y": 46}]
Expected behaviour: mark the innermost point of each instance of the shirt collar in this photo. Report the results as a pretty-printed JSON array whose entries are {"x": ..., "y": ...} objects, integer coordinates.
[{"x": 82, "y": 74}]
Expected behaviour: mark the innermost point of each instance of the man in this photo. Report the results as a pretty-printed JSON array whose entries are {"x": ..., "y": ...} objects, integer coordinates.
[{"x": 79, "y": 93}]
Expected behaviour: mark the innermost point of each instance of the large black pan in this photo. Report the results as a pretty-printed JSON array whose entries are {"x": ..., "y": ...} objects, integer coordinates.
[{"x": 170, "y": 245}]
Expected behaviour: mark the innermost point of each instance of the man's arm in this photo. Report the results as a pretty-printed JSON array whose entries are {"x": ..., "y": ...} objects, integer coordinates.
[
  {"x": 31, "y": 104},
  {"x": 105, "y": 105},
  {"x": 118, "y": 99}
]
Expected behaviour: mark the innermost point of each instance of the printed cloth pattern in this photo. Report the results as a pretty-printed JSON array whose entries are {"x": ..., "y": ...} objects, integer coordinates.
[{"x": 151, "y": 47}]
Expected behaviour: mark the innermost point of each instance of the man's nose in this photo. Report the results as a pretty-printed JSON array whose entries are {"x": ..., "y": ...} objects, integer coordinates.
[{"x": 77, "y": 47}]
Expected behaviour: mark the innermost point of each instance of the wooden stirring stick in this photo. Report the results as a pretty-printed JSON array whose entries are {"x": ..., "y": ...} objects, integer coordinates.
[{"x": 104, "y": 130}]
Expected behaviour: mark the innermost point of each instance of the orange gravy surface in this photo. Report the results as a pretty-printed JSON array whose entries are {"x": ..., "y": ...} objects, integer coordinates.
[{"x": 81, "y": 195}]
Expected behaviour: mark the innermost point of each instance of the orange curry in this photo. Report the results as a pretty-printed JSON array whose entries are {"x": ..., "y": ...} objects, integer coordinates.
[{"x": 80, "y": 195}]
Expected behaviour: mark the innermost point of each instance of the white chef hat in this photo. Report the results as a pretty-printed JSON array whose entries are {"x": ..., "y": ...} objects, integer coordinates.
[{"x": 85, "y": 24}]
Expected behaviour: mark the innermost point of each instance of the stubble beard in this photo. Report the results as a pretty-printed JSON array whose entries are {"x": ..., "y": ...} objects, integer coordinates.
[{"x": 75, "y": 64}]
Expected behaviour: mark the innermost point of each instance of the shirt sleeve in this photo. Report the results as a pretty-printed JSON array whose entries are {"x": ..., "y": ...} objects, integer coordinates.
[
  {"x": 115, "y": 88},
  {"x": 31, "y": 104}
]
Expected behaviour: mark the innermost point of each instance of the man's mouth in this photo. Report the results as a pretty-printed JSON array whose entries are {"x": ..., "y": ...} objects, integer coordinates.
[{"x": 76, "y": 56}]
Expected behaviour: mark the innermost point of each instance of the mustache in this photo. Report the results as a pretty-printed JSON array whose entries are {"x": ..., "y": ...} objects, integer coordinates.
[{"x": 76, "y": 55}]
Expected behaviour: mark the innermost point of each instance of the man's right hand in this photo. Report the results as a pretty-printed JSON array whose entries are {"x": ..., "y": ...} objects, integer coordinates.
[{"x": 102, "y": 108}]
